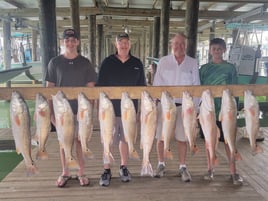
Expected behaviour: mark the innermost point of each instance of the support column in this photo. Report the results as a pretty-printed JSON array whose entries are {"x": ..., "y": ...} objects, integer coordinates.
[
  {"x": 192, "y": 26},
  {"x": 100, "y": 45},
  {"x": 7, "y": 46},
  {"x": 164, "y": 28},
  {"x": 34, "y": 45},
  {"x": 211, "y": 36},
  {"x": 75, "y": 19},
  {"x": 92, "y": 40},
  {"x": 48, "y": 32},
  {"x": 156, "y": 37}
]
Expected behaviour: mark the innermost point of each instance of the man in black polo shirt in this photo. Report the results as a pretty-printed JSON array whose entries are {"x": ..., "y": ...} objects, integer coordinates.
[{"x": 120, "y": 69}]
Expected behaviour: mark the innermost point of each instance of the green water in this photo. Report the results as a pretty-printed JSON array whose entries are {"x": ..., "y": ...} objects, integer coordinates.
[{"x": 5, "y": 114}]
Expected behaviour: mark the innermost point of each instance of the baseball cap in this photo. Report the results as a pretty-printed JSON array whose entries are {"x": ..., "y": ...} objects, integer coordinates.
[
  {"x": 69, "y": 33},
  {"x": 121, "y": 36}
]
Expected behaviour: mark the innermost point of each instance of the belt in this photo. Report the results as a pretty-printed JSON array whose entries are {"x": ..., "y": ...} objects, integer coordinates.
[{"x": 178, "y": 104}]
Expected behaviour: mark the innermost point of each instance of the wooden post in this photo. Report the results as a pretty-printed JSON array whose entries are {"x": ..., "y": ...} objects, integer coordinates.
[
  {"x": 34, "y": 45},
  {"x": 48, "y": 32},
  {"x": 7, "y": 47},
  {"x": 92, "y": 39},
  {"x": 211, "y": 36},
  {"x": 100, "y": 55},
  {"x": 75, "y": 19},
  {"x": 164, "y": 28},
  {"x": 156, "y": 37},
  {"x": 192, "y": 26}
]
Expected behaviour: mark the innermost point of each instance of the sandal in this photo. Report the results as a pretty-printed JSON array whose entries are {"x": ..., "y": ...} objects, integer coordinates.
[
  {"x": 62, "y": 180},
  {"x": 83, "y": 180}
]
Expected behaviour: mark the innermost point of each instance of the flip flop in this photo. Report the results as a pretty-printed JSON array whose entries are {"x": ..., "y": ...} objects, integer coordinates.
[
  {"x": 62, "y": 181},
  {"x": 83, "y": 180}
]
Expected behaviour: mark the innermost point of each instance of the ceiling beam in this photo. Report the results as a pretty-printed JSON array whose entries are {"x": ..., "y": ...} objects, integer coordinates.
[
  {"x": 84, "y": 11},
  {"x": 15, "y": 3}
]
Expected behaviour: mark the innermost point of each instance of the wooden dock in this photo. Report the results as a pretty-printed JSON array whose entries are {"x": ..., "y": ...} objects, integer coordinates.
[{"x": 18, "y": 187}]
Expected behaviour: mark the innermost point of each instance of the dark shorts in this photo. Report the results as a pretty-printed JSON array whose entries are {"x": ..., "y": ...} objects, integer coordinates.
[{"x": 218, "y": 123}]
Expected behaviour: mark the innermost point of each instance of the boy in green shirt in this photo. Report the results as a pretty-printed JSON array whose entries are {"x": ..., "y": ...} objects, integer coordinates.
[{"x": 219, "y": 72}]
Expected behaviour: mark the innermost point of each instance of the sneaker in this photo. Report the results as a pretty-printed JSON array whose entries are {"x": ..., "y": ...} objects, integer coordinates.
[
  {"x": 124, "y": 174},
  {"x": 237, "y": 180},
  {"x": 209, "y": 175},
  {"x": 105, "y": 178},
  {"x": 160, "y": 171},
  {"x": 184, "y": 174}
]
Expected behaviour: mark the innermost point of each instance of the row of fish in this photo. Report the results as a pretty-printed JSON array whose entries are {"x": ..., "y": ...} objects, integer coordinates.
[{"x": 65, "y": 125}]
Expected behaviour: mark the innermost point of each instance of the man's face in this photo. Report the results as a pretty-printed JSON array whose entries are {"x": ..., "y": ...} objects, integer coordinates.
[
  {"x": 123, "y": 46},
  {"x": 178, "y": 46},
  {"x": 71, "y": 43}
]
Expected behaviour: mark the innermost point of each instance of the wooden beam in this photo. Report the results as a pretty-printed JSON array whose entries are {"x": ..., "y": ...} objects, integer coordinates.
[
  {"x": 85, "y": 11},
  {"x": 29, "y": 93},
  {"x": 15, "y": 3}
]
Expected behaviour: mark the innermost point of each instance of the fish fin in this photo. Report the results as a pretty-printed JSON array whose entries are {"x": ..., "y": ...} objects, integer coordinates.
[
  {"x": 42, "y": 154},
  {"x": 168, "y": 154},
  {"x": 17, "y": 120},
  {"x": 190, "y": 110},
  {"x": 252, "y": 111},
  {"x": 108, "y": 158},
  {"x": 81, "y": 115},
  {"x": 18, "y": 151},
  {"x": 134, "y": 155},
  {"x": 35, "y": 139},
  {"x": 257, "y": 150},
  {"x": 237, "y": 156},
  {"x": 168, "y": 115},
  {"x": 125, "y": 115},
  {"x": 195, "y": 149},
  {"x": 103, "y": 115},
  {"x": 72, "y": 164},
  {"x": 42, "y": 113},
  {"x": 216, "y": 161},
  {"x": 147, "y": 169},
  {"x": 88, "y": 154},
  {"x": 31, "y": 170}
]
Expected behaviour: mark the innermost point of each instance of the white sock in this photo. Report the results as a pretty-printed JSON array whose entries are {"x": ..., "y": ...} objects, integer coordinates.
[
  {"x": 161, "y": 163},
  {"x": 182, "y": 166}
]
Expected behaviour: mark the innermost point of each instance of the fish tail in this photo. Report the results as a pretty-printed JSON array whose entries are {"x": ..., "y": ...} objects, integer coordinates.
[
  {"x": 42, "y": 154},
  {"x": 257, "y": 150},
  {"x": 168, "y": 154},
  {"x": 147, "y": 169},
  {"x": 72, "y": 164},
  {"x": 215, "y": 161},
  {"x": 194, "y": 149},
  {"x": 108, "y": 158},
  {"x": 31, "y": 170},
  {"x": 134, "y": 155},
  {"x": 237, "y": 156},
  {"x": 88, "y": 154}
]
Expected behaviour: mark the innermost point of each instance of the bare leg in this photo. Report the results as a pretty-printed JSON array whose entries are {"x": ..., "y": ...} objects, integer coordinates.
[
  {"x": 80, "y": 158},
  {"x": 160, "y": 150},
  {"x": 231, "y": 161},
  {"x": 123, "y": 149},
  {"x": 65, "y": 170},
  {"x": 182, "y": 150}
]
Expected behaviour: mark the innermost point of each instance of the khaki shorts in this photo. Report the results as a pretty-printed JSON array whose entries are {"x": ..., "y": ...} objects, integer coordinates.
[{"x": 179, "y": 130}]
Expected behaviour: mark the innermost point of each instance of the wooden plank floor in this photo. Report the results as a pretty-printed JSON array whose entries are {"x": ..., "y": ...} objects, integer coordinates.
[{"x": 18, "y": 187}]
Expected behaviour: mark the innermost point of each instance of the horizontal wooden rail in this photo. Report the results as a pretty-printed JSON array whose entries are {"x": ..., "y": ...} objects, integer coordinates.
[{"x": 134, "y": 92}]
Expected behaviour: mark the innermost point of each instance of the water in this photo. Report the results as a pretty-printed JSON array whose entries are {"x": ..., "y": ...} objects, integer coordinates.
[{"x": 5, "y": 114}]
